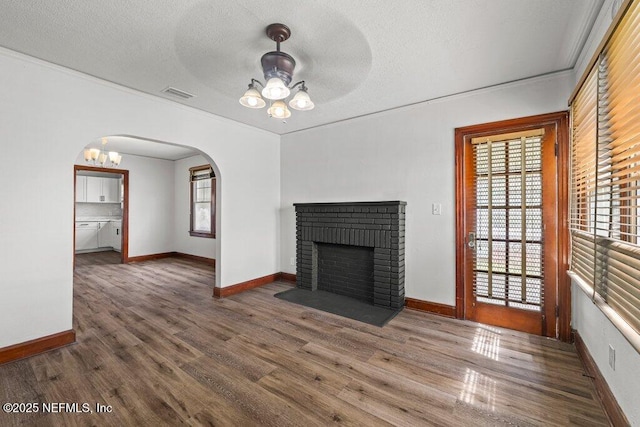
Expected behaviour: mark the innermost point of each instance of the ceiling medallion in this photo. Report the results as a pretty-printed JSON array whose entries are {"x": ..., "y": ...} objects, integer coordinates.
[{"x": 277, "y": 68}]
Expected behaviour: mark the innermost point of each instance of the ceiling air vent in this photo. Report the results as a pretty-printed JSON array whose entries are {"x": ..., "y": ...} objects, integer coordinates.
[{"x": 178, "y": 93}]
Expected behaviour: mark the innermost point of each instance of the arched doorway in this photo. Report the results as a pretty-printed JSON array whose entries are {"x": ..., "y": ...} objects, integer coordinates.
[{"x": 155, "y": 208}]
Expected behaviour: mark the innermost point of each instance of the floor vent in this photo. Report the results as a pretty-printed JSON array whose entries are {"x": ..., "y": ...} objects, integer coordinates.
[{"x": 177, "y": 92}]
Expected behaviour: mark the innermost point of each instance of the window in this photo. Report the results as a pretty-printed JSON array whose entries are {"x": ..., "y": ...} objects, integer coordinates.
[
  {"x": 203, "y": 201},
  {"x": 605, "y": 168}
]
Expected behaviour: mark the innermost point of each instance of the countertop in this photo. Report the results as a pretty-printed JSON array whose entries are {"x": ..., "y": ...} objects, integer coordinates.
[{"x": 97, "y": 218}]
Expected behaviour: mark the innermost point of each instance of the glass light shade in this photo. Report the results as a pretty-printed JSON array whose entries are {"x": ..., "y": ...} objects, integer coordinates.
[
  {"x": 102, "y": 158},
  {"x": 275, "y": 89},
  {"x": 87, "y": 154},
  {"x": 301, "y": 101},
  {"x": 117, "y": 161},
  {"x": 252, "y": 99},
  {"x": 94, "y": 153},
  {"x": 113, "y": 156},
  {"x": 279, "y": 110}
]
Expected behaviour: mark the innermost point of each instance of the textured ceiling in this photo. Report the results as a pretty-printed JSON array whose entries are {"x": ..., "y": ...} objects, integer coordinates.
[{"x": 356, "y": 57}]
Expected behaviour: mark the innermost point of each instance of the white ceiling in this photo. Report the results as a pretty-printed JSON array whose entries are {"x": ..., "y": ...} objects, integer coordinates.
[{"x": 357, "y": 57}]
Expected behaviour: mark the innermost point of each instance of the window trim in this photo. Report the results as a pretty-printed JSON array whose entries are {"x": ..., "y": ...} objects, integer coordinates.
[{"x": 193, "y": 171}]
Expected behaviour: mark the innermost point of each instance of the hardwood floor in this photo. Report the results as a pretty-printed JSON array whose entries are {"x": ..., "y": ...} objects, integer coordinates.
[
  {"x": 156, "y": 347},
  {"x": 98, "y": 258}
]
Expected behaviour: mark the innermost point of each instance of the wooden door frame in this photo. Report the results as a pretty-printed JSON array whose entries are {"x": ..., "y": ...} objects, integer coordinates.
[
  {"x": 560, "y": 121},
  {"x": 124, "y": 250}
]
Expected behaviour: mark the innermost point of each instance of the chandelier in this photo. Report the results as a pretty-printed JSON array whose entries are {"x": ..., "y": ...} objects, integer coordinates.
[
  {"x": 277, "y": 68},
  {"x": 100, "y": 156}
]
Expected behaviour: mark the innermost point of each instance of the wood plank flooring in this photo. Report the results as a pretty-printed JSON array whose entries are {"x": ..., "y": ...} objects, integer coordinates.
[
  {"x": 155, "y": 345},
  {"x": 98, "y": 258}
]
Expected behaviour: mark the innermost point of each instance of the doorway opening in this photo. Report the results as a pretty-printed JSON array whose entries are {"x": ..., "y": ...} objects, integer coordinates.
[
  {"x": 511, "y": 235},
  {"x": 160, "y": 205},
  {"x": 101, "y": 214}
]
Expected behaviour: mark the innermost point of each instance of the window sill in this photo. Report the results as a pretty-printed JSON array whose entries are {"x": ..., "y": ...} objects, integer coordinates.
[
  {"x": 201, "y": 234},
  {"x": 623, "y": 327}
]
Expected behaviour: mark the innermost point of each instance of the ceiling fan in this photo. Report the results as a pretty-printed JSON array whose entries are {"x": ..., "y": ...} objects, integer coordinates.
[{"x": 277, "y": 68}]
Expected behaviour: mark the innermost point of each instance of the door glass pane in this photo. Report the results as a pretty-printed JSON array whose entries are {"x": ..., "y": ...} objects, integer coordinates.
[{"x": 507, "y": 269}]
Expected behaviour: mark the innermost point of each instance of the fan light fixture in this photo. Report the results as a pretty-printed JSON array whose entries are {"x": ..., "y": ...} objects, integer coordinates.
[
  {"x": 100, "y": 156},
  {"x": 277, "y": 68}
]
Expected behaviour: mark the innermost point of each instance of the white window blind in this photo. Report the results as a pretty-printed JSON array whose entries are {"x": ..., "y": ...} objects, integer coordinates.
[
  {"x": 605, "y": 187},
  {"x": 583, "y": 177}
]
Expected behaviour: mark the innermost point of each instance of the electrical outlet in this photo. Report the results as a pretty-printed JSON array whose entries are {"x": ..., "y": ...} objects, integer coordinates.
[
  {"x": 436, "y": 209},
  {"x": 612, "y": 357},
  {"x": 292, "y": 261}
]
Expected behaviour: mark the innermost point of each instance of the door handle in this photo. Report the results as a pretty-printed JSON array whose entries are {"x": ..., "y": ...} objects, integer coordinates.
[{"x": 472, "y": 240}]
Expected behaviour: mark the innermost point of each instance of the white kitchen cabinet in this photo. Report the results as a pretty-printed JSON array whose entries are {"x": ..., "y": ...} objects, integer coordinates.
[
  {"x": 98, "y": 235},
  {"x": 94, "y": 189},
  {"x": 81, "y": 188},
  {"x": 104, "y": 234},
  {"x": 116, "y": 235},
  {"x": 86, "y": 236},
  {"x": 111, "y": 190},
  {"x": 102, "y": 190}
]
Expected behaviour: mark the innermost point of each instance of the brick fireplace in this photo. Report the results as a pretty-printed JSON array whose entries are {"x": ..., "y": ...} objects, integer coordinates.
[{"x": 354, "y": 249}]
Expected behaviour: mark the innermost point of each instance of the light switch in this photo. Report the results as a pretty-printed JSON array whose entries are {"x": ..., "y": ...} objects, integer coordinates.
[{"x": 436, "y": 209}]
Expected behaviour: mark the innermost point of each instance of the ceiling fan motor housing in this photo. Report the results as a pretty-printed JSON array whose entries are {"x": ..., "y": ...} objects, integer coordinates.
[{"x": 278, "y": 64}]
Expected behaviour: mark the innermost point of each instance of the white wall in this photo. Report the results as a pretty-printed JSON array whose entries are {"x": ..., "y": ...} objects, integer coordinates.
[
  {"x": 151, "y": 204},
  {"x": 594, "y": 327},
  {"x": 598, "y": 333},
  {"x": 405, "y": 154},
  {"x": 183, "y": 242},
  {"x": 151, "y": 212},
  {"x": 52, "y": 110}
]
